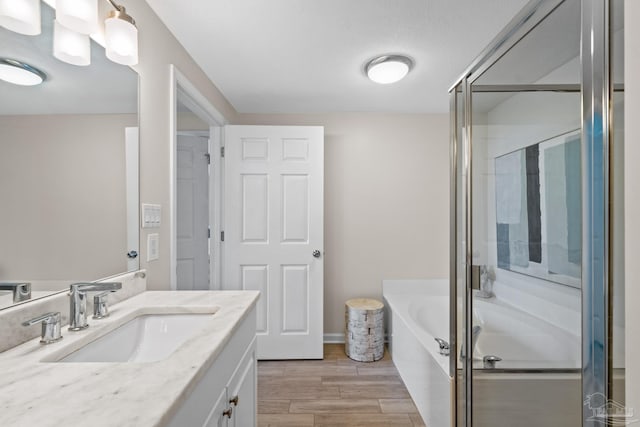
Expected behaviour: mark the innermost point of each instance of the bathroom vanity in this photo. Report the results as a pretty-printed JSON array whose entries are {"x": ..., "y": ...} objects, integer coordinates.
[{"x": 208, "y": 379}]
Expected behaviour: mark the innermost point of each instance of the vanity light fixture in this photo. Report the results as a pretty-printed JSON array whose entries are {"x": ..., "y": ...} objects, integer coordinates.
[
  {"x": 19, "y": 73},
  {"x": 70, "y": 46},
  {"x": 388, "y": 69},
  {"x": 79, "y": 17},
  {"x": 21, "y": 16},
  {"x": 121, "y": 36}
]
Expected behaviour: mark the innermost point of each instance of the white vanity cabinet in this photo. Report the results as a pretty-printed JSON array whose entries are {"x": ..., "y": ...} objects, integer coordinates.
[
  {"x": 241, "y": 392},
  {"x": 226, "y": 396}
]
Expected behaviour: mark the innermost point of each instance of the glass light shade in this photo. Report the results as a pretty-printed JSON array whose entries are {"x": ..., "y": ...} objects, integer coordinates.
[
  {"x": 20, "y": 73},
  {"x": 388, "y": 69},
  {"x": 70, "y": 46},
  {"x": 21, "y": 16},
  {"x": 121, "y": 39},
  {"x": 80, "y": 16}
]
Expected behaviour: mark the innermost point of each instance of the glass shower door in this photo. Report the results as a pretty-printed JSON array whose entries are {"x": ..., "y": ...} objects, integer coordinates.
[{"x": 536, "y": 282}]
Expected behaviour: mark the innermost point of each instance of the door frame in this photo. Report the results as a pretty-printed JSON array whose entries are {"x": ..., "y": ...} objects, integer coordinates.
[{"x": 204, "y": 109}]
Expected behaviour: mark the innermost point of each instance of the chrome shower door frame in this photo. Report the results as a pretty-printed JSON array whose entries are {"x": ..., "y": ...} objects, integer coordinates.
[{"x": 596, "y": 92}]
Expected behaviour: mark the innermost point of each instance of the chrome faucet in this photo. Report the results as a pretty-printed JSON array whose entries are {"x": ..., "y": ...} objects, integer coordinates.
[
  {"x": 443, "y": 346},
  {"x": 475, "y": 334},
  {"x": 78, "y": 301},
  {"x": 21, "y": 290},
  {"x": 50, "y": 327},
  {"x": 489, "y": 361},
  {"x": 101, "y": 305}
]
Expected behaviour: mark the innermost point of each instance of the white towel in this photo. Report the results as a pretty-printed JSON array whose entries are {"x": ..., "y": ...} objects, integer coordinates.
[{"x": 509, "y": 178}]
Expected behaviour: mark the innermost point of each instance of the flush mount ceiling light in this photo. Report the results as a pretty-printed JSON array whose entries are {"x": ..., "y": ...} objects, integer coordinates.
[
  {"x": 75, "y": 20},
  {"x": 388, "y": 68},
  {"x": 19, "y": 73},
  {"x": 21, "y": 16}
]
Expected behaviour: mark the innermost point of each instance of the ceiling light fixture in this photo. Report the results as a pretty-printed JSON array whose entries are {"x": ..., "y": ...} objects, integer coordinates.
[
  {"x": 21, "y": 16},
  {"x": 388, "y": 69},
  {"x": 19, "y": 73}
]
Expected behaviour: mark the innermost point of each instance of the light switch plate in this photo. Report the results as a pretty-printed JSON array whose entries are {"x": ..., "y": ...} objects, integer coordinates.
[
  {"x": 153, "y": 247},
  {"x": 151, "y": 215}
]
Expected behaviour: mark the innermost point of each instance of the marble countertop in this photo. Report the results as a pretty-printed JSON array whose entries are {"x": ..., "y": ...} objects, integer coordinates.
[{"x": 37, "y": 393}]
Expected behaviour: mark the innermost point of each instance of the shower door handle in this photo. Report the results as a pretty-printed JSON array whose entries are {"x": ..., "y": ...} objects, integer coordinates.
[{"x": 475, "y": 277}]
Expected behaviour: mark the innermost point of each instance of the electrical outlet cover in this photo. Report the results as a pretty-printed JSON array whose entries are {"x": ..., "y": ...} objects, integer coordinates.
[{"x": 153, "y": 247}]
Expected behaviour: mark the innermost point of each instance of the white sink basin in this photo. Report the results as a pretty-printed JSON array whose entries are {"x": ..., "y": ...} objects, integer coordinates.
[{"x": 146, "y": 338}]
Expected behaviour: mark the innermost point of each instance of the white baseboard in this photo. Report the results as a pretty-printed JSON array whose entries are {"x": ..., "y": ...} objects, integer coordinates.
[{"x": 337, "y": 338}]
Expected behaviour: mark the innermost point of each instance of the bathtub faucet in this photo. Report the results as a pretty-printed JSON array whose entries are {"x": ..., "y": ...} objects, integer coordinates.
[
  {"x": 444, "y": 346},
  {"x": 475, "y": 334},
  {"x": 487, "y": 277}
]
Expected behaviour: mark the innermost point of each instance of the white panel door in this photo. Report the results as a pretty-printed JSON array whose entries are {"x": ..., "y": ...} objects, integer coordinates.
[
  {"x": 274, "y": 228},
  {"x": 192, "y": 213}
]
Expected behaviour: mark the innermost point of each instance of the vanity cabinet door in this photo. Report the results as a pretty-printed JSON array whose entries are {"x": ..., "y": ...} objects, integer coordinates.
[
  {"x": 217, "y": 417},
  {"x": 233, "y": 373},
  {"x": 242, "y": 391}
]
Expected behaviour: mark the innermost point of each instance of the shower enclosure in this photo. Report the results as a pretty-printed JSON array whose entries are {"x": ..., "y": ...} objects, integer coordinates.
[{"x": 537, "y": 286}]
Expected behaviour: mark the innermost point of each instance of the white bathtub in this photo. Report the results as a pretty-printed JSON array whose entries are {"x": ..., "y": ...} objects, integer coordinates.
[
  {"x": 411, "y": 329},
  {"x": 418, "y": 312},
  {"x": 522, "y": 340}
]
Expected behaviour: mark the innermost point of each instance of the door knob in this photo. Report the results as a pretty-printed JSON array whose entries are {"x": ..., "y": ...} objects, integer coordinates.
[
  {"x": 132, "y": 254},
  {"x": 316, "y": 253}
]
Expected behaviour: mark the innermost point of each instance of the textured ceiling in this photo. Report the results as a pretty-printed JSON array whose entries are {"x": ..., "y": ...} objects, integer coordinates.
[{"x": 307, "y": 56}]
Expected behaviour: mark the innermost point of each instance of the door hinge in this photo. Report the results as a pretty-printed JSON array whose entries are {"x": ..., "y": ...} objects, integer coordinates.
[
  {"x": 208, "y": 233},
  {"x": 222, "y": 151},
  {"x": 208, "y": 157},
  {"x": 222, "y": 236}
]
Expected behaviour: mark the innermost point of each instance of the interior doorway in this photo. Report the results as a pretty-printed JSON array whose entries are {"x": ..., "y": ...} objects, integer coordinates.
[{"x": 196, "y": 188}]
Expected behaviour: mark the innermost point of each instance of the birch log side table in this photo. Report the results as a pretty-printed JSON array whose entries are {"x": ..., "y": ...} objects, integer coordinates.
[{"x": 364, "y": 329}]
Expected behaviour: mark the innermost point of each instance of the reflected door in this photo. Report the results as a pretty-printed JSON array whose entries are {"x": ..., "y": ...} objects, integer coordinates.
[{"x": 192, "y": 225}]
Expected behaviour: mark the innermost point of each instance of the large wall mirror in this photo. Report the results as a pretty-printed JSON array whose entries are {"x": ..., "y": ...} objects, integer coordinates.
[{"x": 68, "y": 168}]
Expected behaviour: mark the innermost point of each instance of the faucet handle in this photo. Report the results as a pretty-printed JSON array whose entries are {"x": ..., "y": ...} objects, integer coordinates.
[
  {"x": 444, "y": 346},
  {"x": 489, "y": 361},
  {"x": 51, "y": 323},
  {"x": 21, "y": 290},
  {"x": 101, "y": 305}
]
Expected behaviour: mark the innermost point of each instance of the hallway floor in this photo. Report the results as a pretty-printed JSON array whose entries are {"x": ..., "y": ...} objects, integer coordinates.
[{"x": 336, "y": 391}]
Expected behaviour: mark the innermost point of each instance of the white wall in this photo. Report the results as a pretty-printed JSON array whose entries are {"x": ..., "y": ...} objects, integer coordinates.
[
  {"x": 386, "y": 179},
  {"x": 632, "y": 203},
  {"x": 158, "y": 48},
  {"x": 62, "y": 196},
  {"x": 386, "y": 201}
]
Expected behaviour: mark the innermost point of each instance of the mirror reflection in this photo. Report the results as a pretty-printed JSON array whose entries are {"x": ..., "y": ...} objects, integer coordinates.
[
  {"x": 539, "y": 210},
  {"x": 68, "y": 169}
]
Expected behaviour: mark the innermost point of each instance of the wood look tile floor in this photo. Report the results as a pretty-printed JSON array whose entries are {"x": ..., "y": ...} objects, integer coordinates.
[{"x": 336, "y": 391}]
